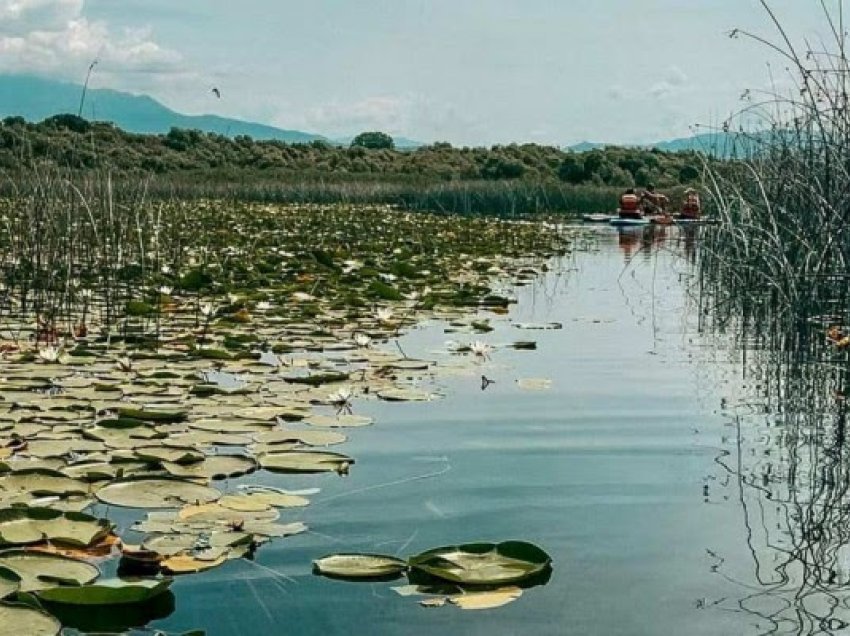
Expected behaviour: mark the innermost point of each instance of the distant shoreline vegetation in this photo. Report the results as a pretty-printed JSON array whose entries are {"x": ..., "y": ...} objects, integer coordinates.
[{"x": 506, "y": 179}]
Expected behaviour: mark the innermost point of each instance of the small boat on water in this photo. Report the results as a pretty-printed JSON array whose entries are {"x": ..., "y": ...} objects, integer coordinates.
[
  {"x": 597, "y": 218},
  {"x": 622, "y": 221}
]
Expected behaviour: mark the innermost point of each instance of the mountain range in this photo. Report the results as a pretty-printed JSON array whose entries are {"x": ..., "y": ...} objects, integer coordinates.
[{"x": 36, "y": 98}]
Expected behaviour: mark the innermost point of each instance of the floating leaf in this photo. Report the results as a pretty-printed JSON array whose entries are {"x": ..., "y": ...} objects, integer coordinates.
[
  {"x": 404, "y": 395},
  {"x": 359, "y": 566},
  {"x": 107, "y": 592},
  {"x": 486, "y": 600},
  {"x": 483, "y": 563},
  {"x": 155, "y": 493},
  {"x": 214, "y": 467},
  {"x": 40, "y": 571},
  {"x": 186, "y": 564},
  {"x": 310, "y": 438},
  {"x": 23, "y": 620},
  {"x": 262, "y": 501},
  {"x": 305, "y": 462},
  {"x": 340, "y": 421},
  {"x": 39, "y": 482},
  {"x": 20, "y": 526}
]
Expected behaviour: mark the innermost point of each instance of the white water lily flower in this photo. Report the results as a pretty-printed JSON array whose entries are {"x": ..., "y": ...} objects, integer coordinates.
[
  {"x": 481, "y": 349},
  {"x": 49, "y": 354},
  {"x": 53, "y": 355},
  {"x": 264, "y": 305},
  {"x": 232, "y": 298},
  {"x": 388, "y": 278},
  {"x": 350, "y": 266},
  {"x": 384, "y": 314},
  {"x": 165, "y": 269},
  {"x": 206, "y": 309},
  {"x": 165, "y": 290},
  {"x": 341, "y": 395},
  {"x": 362, "y": 340}
]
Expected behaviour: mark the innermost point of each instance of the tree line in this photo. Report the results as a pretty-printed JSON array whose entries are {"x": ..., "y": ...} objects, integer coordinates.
[{"x": 73, "y": 142}]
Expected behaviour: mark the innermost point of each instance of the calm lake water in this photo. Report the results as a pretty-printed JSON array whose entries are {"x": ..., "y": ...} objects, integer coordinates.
[{"x": 617, "y": 471}]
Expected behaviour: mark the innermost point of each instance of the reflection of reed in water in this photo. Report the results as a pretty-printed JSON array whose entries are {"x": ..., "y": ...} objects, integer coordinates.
[{"x": 790, "y": 464}]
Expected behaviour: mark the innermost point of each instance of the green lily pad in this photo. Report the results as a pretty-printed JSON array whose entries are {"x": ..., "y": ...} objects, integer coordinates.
[
  {"x": 404, "y": 395},
  {"x": 40, "y": 482},
  {"x": 156, "y": 493},
  {"x": 213, "y": 467},
  {"x": 40, "y": 571},
  {"x": 310, "y": 438},
  {"x": 305, "y": 461},
  {"x": 340, "y": 421},
  {"x": 483, "y": 563},
  {"x": 21, "y": 526},
  {"x": 359, "y": 566},
  {"x": 107, "y": 592},
  {"x": 23, "y": 620}
]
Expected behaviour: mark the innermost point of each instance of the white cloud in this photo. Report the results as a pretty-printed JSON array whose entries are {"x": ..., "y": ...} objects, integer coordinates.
[
  {"x": 18, "y": 17},
  {"x": 53, "y": 37}
]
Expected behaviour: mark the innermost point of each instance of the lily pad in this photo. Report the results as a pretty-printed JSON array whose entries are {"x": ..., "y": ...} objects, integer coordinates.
[
  {"x": 107, "y": 592},
  {"x": 404, "y": 395},
  {"x": 156, "y": 493},
  {"x": 40, "y": 482},
  {"x": 310, "y": 438},
  {"x": 23, "y": 620},
  {"x": 21, "y": 526},
  {"x": 340, "y": 421},
  {"x": 359, "y": 566},
  {"x": 213, "y": 467},
  {"x": 305, "y": 462},
  {"x": 486, "y": 600},
  {"x": 39, "y": 571},
  {"x": 483, "y": 563}
]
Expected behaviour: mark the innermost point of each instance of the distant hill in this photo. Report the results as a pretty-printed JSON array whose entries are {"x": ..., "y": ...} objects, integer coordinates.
[
  {"x": 35, "y": 99},
  {"x": 716, "y": 143}
]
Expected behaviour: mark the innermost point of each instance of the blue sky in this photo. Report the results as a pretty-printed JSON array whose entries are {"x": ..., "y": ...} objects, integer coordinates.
[{"x": 472, "y": 72}]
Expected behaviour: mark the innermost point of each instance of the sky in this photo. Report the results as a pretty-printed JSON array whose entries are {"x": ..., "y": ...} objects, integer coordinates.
[{"x": 471, "y": 72}]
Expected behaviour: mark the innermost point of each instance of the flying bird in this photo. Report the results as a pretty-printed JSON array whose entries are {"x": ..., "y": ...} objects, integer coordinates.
[{"x": 216, "y": 92}]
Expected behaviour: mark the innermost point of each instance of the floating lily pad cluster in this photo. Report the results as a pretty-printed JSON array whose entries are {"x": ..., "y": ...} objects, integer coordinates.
[
  {"x": 470, "y": 576},
  {"x": 238, "y": 341}
]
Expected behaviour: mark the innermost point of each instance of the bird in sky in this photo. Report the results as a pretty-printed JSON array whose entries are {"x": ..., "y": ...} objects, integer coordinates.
[{"x": 216, "y": 92}]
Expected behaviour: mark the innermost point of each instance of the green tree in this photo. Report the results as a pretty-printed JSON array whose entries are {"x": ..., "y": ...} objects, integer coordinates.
[
  {"x": 373, "y": 140},
  {"x": 571, "y": 170}
]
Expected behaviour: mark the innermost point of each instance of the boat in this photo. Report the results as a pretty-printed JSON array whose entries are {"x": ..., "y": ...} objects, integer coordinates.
[
  {"x": 596, "y": 218},
  {"x": 622, "y": 221}
]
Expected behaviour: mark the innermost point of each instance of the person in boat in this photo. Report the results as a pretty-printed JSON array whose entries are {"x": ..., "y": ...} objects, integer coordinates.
[
  {"x": 652, "y": 202},
  {"x": 630, "y": 205},
  {"x": 692, "y": 207}
]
